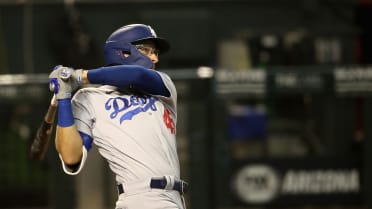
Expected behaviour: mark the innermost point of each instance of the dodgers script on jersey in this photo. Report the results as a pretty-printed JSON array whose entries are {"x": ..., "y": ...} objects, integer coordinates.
[{"x": 134, "y": 133}]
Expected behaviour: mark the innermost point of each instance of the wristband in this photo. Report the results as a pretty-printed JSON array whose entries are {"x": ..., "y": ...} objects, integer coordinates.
[{"x": 65, "y": 116}]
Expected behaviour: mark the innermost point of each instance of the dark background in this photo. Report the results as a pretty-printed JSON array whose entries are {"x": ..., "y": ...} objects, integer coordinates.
[{"x": 299, "y": 116}]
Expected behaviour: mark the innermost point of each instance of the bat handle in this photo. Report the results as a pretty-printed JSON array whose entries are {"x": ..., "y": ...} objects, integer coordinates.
[
  {"x": 49, "y": 117},
  {"x": 44, "y": 132},
  {"x": 54, "y": 101}
]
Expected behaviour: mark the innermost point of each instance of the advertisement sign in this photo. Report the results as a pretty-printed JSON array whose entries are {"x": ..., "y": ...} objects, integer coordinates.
[
  {"x": 297, "y": 181},
  {"x": 297, "y": 81},
  {"x": 252, "y": 82},
  {"x": 353, "y": 80}
]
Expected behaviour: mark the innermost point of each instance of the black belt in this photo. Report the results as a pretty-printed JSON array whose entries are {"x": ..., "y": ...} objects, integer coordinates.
[{"x": 179, "y": 185}]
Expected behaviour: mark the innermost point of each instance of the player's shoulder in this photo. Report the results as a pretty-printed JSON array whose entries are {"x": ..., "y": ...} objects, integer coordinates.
[
  {"x": 95, "y": 90},
  {"x": 164, "y": 74},
  {"x": 168, "y": 81},
  {"x": 92, "y": 89}
]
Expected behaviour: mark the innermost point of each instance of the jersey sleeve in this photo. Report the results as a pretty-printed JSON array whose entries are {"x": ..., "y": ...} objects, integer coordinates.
[
  {"x": 83, "y": 112},
  {"x": 84, "y": 122},
  {"x": 76, "y": 171},
  {"x": 171, "y": 101}
]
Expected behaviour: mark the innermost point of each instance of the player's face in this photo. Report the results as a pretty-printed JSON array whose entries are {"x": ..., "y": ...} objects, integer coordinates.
[{"x": 149, "y": 49}]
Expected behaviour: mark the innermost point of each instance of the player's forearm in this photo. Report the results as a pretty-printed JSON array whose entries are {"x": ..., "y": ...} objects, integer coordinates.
[
  {"x": 69, "y": 144},
  {"x": 127, "y": 75},
  {"x": 68, "y": 141}
]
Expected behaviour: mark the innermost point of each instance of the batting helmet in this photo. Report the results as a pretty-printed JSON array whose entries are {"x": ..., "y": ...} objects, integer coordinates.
[{"x": 124, "y": 39}]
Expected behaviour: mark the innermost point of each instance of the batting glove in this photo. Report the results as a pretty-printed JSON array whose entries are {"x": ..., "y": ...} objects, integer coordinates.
[{"x": 64, "y": 80}]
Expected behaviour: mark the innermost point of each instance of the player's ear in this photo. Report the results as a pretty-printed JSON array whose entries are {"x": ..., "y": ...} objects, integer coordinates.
[
  {"x": 126, "y": 54},
  {"x": 126, "y": 50}
]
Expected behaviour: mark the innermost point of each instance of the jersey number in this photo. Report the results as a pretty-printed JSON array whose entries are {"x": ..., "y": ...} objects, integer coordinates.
[{"x": 168, "y": 121}]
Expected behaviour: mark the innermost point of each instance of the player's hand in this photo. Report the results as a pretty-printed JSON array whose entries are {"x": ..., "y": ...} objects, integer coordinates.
[{"x": 64, "y": 80}]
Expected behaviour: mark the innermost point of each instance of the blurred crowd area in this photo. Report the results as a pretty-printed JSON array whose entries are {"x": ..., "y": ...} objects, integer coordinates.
[{"x": 273, "y": 99}]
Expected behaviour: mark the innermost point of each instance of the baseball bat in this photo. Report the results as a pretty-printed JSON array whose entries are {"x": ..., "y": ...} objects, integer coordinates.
[{"x": 41, "y": 141}]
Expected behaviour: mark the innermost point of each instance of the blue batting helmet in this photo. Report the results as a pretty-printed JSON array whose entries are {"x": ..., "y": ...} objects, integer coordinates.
[{"x": 124, "y": 39}]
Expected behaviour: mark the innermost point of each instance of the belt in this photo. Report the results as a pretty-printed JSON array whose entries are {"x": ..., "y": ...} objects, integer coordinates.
[{"x": 162, "y": 183}]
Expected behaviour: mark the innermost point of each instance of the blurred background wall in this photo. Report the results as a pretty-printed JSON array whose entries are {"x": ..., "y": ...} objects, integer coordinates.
[{"x": 273, "y": 99}]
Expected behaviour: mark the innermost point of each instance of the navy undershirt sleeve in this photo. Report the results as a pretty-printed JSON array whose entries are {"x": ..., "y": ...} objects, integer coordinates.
[{"x": 129, "y": 76}]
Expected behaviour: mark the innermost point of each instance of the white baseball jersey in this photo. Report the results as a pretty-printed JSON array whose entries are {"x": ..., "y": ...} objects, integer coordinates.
[{"x": 135, "y": 134}]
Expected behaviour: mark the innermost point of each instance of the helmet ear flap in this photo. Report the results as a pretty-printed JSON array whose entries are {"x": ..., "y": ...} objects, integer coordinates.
[
  {"x": 114, "y": 52},
  {"x": 126, "y": 48},
  {"x": 137, "y": 58}
]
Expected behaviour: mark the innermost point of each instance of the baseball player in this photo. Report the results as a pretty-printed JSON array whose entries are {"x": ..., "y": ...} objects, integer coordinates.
[{"x": 131, "y": 118}]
